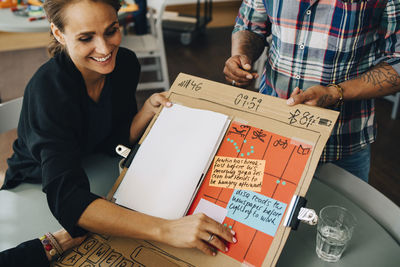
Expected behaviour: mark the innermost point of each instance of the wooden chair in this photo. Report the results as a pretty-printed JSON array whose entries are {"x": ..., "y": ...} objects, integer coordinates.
[
  {"x": 9, "y": 117},
  {"x": 395, "y": 98},
  {"x": 9, "y": 114}
]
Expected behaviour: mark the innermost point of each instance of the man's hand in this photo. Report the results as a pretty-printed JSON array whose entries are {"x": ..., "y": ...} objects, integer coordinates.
[
  {"x": 318, "y": 95},
  {"x": 238, "y": 72},
  {"x": 380, "y": 80}
]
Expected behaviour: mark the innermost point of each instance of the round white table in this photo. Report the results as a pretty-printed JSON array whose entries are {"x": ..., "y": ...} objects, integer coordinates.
[
  {"x": 371, "y": 245},
  {"x": 12, "y": 23},
  {"x": 24, "y": 215}
]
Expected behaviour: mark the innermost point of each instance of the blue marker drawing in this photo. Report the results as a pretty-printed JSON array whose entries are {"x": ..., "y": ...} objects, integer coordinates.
[
  {"x": 237, "y": 147},
  {"x": 255, "y": 210}
]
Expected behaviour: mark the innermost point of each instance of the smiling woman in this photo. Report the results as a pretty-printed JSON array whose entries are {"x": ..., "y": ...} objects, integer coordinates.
[
  {"x": 82, "y": 101},
  {"x": 91, "y": 39}
]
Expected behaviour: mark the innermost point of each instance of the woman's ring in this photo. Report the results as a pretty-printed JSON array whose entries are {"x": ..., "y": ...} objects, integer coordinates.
[
  {"x": 233, "y": 82},
  {"x": 210, "y": 238}
]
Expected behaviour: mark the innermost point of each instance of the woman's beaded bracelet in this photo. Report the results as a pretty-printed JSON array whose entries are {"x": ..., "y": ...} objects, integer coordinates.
[
  {"x": 55, "y": 243},
  {"x": 50, "y": 247}
]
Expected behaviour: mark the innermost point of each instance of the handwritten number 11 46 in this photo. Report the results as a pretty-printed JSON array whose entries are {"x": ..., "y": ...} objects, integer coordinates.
[
  {"x": 190, "y": 84},
  {"x": 245, "y": 101}
]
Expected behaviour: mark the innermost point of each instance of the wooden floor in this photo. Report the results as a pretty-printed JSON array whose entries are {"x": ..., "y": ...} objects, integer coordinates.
[{"x": 205, "y": 57}]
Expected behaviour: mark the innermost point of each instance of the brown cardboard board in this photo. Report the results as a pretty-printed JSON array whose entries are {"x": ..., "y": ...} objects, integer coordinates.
[{"x": 310, "y": 125}]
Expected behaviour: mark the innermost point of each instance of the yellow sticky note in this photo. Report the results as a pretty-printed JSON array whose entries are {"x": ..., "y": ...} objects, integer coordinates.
[{"x": 237, "y": 173}]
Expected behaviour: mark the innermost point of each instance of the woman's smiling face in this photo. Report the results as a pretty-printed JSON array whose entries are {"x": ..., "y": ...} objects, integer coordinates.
[{"x": 91, "y": 36}]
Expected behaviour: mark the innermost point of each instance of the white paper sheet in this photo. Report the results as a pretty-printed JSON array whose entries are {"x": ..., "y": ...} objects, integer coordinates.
[
  {"x": 166, "y": 170},
  {"x": 212, "y": 210}
]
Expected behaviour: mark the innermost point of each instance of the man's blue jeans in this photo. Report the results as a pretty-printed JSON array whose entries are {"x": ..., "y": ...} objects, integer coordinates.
[{"x": 357, "y": 163}]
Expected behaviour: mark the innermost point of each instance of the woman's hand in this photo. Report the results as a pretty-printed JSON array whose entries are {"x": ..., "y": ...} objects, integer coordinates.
[
  {"x": 153, "y": 103},
  {"x": 318, "y": 95},
  {"x": 197, "y": 231},
  {"x": 144, "y": 116},
  {"x": 237, "y": 71},
  {"x": 65, "y": 241}
]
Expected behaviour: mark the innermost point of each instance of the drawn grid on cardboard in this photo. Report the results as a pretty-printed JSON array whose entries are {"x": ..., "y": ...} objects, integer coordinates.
[{"x": 285, "y": 162}]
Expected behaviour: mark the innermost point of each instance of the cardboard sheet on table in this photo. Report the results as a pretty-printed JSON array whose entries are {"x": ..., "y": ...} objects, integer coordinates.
[{"x": 301, "y": 129}]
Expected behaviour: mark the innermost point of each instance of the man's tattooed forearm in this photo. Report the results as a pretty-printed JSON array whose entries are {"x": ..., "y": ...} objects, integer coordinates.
[
  {"x": 324, "y": 101},
  {"x": 381, "y": 76}
]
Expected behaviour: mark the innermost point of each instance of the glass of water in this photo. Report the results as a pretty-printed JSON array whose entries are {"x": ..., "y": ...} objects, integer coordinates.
[{"x": 334, "y": 231}]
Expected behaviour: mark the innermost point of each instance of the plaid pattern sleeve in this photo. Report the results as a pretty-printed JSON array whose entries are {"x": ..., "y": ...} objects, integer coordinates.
[
  {"x": 253, "y": 17},
  {"x": 389, "y": 31},
  {"x": 323, "y": 42}
]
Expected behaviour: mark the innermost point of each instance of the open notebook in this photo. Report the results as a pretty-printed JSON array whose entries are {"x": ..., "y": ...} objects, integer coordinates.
[{"x": 170, "y": 164}]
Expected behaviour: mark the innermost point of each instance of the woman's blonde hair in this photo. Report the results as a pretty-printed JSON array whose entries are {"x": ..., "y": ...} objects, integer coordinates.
[{"x": 55, "y": 14}]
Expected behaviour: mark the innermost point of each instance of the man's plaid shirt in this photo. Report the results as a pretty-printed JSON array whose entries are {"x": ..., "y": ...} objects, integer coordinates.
[{"x": 322, "y": 42}]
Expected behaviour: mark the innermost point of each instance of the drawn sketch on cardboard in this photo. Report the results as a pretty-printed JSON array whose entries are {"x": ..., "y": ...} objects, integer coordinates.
[{"x": 99, "y": 250}]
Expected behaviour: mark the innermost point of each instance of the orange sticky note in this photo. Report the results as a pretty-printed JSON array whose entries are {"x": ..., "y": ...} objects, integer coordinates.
[{"x": 237, "y": 173}]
